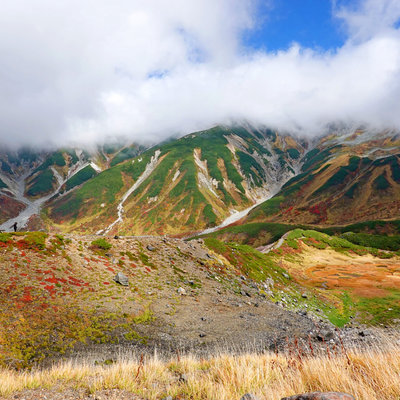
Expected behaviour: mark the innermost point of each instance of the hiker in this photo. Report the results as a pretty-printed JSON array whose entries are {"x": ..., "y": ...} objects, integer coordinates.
[{"x": 14, "y": 226}]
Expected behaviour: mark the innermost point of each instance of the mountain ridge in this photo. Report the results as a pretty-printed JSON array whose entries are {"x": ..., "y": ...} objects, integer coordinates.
[{"x": 209, "y": 179}]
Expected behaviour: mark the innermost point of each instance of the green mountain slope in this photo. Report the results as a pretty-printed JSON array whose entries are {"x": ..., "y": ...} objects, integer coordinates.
[
  {"x": 341, "y": 182},
  {"x": 194, "y": 183}
]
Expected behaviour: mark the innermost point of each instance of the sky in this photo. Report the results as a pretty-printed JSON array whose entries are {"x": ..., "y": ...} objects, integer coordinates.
[{"x": 85, "y": 71}]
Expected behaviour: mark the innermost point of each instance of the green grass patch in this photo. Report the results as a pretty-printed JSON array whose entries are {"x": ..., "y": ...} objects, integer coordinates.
[
  {"x": 380, "y": 309},
  {"x": 43, "y": 183},
  {"x": 80, "y": 177},
  {"x": 249, "y": 261},
  {"x": 56, "y": 158},
  {"x": 269, "y": 207}
]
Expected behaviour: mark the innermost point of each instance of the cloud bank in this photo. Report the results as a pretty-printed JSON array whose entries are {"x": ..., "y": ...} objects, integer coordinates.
[{"x": 83, "y": 71}]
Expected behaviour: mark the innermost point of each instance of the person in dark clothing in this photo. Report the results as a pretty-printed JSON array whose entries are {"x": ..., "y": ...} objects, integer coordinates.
[{"x": 14, "y": 226}]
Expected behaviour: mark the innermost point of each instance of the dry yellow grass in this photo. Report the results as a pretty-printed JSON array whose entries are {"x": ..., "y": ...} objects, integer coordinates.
[{"x": 369, "y": 375}]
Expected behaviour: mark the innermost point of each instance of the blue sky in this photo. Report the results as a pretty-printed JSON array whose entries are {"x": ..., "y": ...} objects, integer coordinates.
[{"x": 310, "y": 23}]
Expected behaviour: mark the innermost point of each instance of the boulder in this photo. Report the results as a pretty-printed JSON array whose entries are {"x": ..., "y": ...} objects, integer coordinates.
[
  {"x": 150, "y": 247},
  {"x": 249, "y": 396},
  {"x": 325, "y": 335},
  {"x": 181, "y": 291},
  {"x": 321, "y": 396},
  {"x": 122, "y": 279}
]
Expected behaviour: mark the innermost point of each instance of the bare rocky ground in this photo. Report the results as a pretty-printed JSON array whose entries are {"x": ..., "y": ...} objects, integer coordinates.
[{"x": 197, "y": 308}]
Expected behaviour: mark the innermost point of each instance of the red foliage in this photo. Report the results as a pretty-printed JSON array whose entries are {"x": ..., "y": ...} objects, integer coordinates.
[
  {"x": 320, "y": 209},
  {"x": 50, "y": 288},
  {"x": 315, "y": 209},
  {"x": 27, "y": 298}
]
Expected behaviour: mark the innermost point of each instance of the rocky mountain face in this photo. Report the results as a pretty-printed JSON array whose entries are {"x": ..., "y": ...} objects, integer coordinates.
[
  {"x": 203, "y": 180},
  {"x": 343, "y": 179},
  {"x": 181, "y": 186},
  {"x": 29, "y": 178}
]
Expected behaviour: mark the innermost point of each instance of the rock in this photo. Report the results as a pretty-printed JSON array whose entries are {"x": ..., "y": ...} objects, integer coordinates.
[
  {"x": 167, "y": 398},
  {"x": 325, "y": 334},
  {"x": 202, "y": 335},
  {"x": 150, "y": 247},
  {"x": 181, "y": 291},
  {"x": 116, "y": 237},
  {"x": 122, "y": 279},
  {"x": 304, "y": 296},
  {"x": 249, "y": 396},
  {"x": 285, "y": 275},
  {"x": 321, "y": 396},
  {"x": 183, "y": 378}
]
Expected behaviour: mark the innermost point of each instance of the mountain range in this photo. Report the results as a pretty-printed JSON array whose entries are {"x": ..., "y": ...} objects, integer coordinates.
[{"x": 224, "y": 175}]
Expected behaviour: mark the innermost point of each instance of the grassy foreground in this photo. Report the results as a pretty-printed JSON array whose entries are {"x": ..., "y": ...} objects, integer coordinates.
[{"x": 372, "y": 374}]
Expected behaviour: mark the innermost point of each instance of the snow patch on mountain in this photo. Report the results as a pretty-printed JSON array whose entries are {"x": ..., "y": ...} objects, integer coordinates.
[{"x": 150, "y": 167}]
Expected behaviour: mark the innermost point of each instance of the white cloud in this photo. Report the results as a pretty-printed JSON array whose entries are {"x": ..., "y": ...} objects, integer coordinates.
[
  {"x": 368, "y": 18},
  {"x": 85, "y": 70}
]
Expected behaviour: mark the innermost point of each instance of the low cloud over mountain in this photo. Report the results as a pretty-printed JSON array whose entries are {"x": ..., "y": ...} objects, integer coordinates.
[{"x": 81, "y": 71}]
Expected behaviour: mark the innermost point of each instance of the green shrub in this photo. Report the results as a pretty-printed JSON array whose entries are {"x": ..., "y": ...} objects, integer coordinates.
[
  {"x": 381, "y": 183},
  {"x": 102, "y": 244},
  {"x": 36, "y": 240},
  {"x": 56, "y": 158},
  {"x": 209, "y": 215},
  {"x": 294, "y": 154},
  {"x": 5, "y": 237},
  {"x": 5, "y": 167},
  {"x": 382, "y": 242}
]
